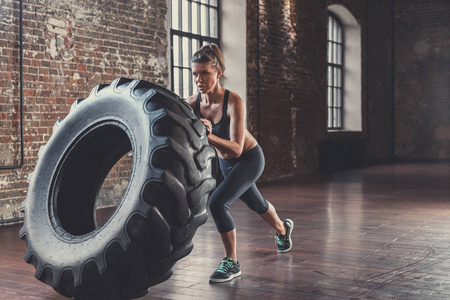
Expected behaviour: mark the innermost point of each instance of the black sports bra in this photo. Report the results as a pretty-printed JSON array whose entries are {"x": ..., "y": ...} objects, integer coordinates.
[{"x": 221, "y": 129}]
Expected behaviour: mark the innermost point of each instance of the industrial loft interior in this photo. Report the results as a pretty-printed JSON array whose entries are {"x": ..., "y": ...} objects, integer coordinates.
[{"x": 105, "y": 170}]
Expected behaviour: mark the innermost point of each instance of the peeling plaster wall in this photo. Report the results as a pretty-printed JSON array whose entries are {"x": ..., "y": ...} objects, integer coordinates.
[
  {"x": 69, "y": 47},
  {"x": 422, "y": 86}
]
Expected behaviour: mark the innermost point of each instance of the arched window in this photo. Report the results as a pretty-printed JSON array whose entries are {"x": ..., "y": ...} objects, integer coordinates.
[
  {"x": 194, "y": 23},
  {"x": 344, "y": 71},
  {"x": 335, "y": 72}
]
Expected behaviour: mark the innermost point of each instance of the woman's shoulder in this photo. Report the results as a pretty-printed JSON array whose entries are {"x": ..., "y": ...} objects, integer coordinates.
[
  {"x": 191, "y": 100},
  {"x": 234, "y": 99},
  {"x": 236, "y": 105}
]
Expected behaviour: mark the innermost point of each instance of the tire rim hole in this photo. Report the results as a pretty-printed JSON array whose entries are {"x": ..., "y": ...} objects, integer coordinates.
[
  {"x": 113, "y": 189},
  {"x": 92, "y": 179}
]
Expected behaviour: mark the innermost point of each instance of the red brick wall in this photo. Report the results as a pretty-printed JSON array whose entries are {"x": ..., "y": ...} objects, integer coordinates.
[
  {"x": 422, "y": 69},
  {"x": 292, "y": 80},
  {"x": 69, "y": 47}
]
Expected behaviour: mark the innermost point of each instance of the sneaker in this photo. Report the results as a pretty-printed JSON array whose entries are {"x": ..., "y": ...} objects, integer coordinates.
[
  {"x": 227, "y": 270},
  {"x": 284, "y": 242}
]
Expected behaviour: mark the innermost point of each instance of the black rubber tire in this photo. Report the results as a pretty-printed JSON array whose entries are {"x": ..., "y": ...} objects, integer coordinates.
[{"x": 160, "y": 211}]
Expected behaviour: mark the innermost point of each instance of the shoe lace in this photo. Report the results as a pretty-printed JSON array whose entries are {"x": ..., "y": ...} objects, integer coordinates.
[
  {"x": 281, "y": 240},
  {"x": 224, "y": 266}
]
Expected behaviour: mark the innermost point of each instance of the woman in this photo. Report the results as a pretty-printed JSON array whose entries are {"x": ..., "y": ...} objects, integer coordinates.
[{"x": 240, "y": 157}]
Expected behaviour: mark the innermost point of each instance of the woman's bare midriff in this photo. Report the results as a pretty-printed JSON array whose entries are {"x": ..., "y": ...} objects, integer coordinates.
[{"x": 249, "y": 143}]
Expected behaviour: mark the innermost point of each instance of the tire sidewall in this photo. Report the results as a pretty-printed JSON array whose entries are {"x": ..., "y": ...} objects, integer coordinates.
[{"x": 101, "y": 108}]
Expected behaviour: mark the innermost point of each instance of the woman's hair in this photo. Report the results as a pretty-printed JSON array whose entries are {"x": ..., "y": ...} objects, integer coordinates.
[{"x": 210, "y": 54}]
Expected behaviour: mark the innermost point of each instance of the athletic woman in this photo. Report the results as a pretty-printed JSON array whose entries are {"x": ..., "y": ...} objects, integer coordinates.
[{"x": 241, "y": 159}]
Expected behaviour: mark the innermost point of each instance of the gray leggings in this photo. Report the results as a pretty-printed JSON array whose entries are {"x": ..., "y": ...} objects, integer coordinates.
[{"x": 240, "y": 176}]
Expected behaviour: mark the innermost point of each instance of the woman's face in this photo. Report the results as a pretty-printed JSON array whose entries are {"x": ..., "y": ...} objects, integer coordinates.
[{"x": 206, "y": 77}]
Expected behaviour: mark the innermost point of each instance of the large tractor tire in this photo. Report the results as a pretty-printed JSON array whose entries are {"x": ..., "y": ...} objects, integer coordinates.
[{"x": 160, "y": 210}]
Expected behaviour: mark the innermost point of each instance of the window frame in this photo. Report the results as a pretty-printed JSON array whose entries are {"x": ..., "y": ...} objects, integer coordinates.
[
  {"x": 335, "y": 110},
  {"x": 189, "y": 37}
]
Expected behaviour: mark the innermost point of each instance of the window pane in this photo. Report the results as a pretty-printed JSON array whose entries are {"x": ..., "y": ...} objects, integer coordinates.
[
  {"x": 204, "y": 1},
  {"x": 330, "y": 117},
  {"x": 339, "y": 77},
  {"x": 330, "y": 74},
  {"x": 186, "y": 83},
  {"x": 331, "y": 29},
  {"x": 334, "y": 76},
  {"x": 334, "y": 30},
  {"x": 185, "y": 49},
  {"x": 185, "y": 16},
  {"x": 176, "y": 51},
  {"x": 329, "y": 52},
  {"x": 175, "y": 14},
  {"x": 335, "y": 71},
  {"x": 338, "y": 118},
  {"x": 213, "y": 25},
  {"x": 195, "y": 18},
  {"x": 176, "y": 81},
  {"x": 334, "y": 118},
  {"x": 195, "y": 46},
  {"x": 339, "y": 54},
  {"x": 213, "y": 3},
  {"x": 330, "y": 101},
  {"x": 338, "y": 98},
  {"x": 333, "y": 121},
  {"x": 335, "y": 60},
  {"x": 330, "y": 25},
  {"x": 205, "y": 20},
  {"x": 339, "y": 33},
  {"x": 334, "y": 97}
]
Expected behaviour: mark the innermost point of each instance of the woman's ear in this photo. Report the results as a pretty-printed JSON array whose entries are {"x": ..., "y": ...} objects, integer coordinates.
[{"x": 219, "y": 73}]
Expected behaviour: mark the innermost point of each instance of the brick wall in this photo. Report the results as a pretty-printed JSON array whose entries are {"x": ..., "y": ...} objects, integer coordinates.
[
  {"x": 69, "y": 47},
  {"x": 378, "y": 80},
  {"x": 292, "y": 50},
  {"x": 290, "y": 53},
  {"x": 422, "y": 70}
]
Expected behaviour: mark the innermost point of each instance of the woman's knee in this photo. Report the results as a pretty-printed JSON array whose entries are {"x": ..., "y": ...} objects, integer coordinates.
[
  {"x": 262, "y": 208},
  {"x": 265, "y": 208},
  {"x": 255, "y": 201},
  {"x": 216, "y": 205}
]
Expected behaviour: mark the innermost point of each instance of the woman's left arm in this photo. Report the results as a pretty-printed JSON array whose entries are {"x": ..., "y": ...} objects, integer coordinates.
[{"x": 232, "y": 148}]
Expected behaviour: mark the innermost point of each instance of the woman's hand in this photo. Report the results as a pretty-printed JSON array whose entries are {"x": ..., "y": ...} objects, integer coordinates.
[{"x": 208, "y": 125}]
